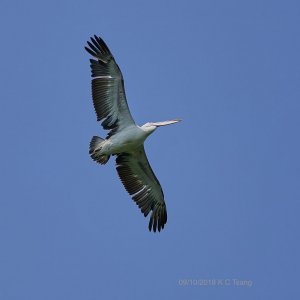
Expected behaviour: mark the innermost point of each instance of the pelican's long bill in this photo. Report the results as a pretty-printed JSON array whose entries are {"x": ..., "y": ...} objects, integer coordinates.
[{"x": 164, "y": 123}]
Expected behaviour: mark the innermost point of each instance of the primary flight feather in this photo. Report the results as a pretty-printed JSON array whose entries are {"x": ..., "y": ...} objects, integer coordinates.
[{"x": 125, "y": 139}]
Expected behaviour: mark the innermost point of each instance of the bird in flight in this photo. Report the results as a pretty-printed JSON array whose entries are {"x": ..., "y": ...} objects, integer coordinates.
[{"x": 125, "y": 139}]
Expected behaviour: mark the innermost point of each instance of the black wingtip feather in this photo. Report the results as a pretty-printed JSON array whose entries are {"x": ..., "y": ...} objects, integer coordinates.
[
  {"x": 158, "y": 219},
  {"x": 101, "y": 43},
  {"x": 90, "y": 51},
  {"x": 95, "y": 49},
  {"x": 96, "y": 44}
]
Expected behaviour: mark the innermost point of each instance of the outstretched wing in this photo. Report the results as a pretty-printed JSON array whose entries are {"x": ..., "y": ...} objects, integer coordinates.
[
  {"x": 108, "y": 88},
  {"x": 141, "y": 183}
]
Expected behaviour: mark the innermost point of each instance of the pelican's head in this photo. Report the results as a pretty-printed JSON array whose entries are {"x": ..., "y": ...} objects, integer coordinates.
[{"x": 151, "y": 126}]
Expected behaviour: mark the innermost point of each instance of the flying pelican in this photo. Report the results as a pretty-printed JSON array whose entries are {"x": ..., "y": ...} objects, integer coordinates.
[{"x": 125, "y": 139}]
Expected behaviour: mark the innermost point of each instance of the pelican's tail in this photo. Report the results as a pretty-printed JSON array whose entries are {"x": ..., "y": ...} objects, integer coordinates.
[{"x": 95, "y": 150}]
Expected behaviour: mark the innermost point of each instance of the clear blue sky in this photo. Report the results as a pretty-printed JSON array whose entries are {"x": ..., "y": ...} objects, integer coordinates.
[{"x": 230, "y": 171}]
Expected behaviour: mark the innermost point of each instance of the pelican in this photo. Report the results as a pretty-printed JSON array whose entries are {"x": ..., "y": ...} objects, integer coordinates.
[{"x": 125, "y": 139}]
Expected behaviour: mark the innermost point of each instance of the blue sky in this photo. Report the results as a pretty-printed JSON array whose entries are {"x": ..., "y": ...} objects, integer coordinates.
[{"x": 230, "y": 171}]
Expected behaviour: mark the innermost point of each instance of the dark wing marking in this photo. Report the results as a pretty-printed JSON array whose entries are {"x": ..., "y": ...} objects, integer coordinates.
[
  {"x": 141, "y": 183},
  {"x": 108, "y": 88}
]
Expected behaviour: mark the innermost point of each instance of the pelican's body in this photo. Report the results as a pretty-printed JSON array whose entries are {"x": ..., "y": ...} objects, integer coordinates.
[{"x": 125, "y": 139}]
